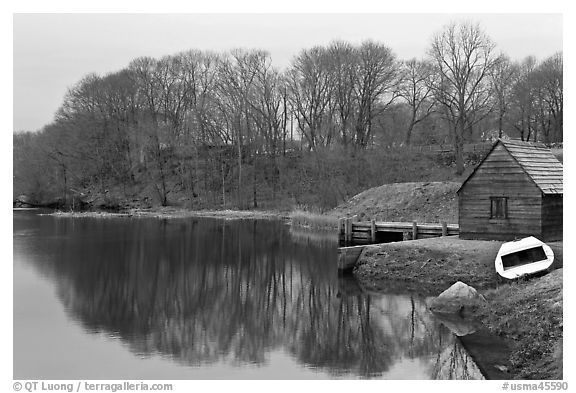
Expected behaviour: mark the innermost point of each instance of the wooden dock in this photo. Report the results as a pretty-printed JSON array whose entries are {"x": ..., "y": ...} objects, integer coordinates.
[
  {"x": 355, "y": 235},
  {"x": 352, "y": 232}
]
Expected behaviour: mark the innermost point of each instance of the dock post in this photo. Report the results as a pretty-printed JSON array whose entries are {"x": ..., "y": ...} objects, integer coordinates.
[
  {"x": 444, "y": 228},
  {"x": 340, "y": 228},
  {"x": 352, "y": 219},
  {"x": 373, "y": 231},
  {"x": 414, "y": 230},
  {"x": 348, "y": 230}
]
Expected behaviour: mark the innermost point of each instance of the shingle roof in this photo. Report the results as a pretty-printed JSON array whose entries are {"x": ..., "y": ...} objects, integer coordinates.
[
  {"x": 539, "y": 164},
  {"x": 536, "y": 160}
]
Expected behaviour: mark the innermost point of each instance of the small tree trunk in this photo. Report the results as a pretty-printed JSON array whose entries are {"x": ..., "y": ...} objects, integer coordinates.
[
  {"x": 223, "y": 184},
  {"x": 254, "y": 178},
  {"x": 408, "y": 139},
  {"x": 459, "y": 148},
  {"x": 65, "y": 185},
  {"x": 239, "y": 191}
]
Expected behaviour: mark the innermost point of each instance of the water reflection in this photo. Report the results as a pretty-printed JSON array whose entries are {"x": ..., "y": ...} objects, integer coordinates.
[{"x": 203, "y": 291}]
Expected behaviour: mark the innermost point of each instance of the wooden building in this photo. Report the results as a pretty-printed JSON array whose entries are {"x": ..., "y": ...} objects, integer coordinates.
[{"x": 515, "y": 191}]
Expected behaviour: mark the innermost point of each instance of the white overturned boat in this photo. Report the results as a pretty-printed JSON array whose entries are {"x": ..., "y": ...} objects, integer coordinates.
[{"x": 524, "y": 256}]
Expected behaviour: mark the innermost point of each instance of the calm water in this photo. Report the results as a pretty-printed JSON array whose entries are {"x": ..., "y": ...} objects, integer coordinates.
[{"x": 123, "y": 298}]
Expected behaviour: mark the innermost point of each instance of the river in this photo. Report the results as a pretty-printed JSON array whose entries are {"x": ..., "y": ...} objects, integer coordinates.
[{"x": 201, "y": 298}]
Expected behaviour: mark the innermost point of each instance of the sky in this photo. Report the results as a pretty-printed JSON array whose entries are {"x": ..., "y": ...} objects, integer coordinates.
[{"x": 51, "y": 52}]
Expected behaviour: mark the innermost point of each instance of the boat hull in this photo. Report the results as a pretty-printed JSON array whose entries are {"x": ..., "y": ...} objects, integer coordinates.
[
  {"x": 523, "y": 257},
  {"x": 348, "y": 256}
]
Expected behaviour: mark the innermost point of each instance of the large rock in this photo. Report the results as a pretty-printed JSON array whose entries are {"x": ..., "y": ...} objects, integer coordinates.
[
  {"x": 458, "y": 299},
  {"x": 457, "y": 325}
]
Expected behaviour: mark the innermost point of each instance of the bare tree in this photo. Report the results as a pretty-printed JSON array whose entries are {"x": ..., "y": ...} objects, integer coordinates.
[
  {"x": 551, "y": 97},
  {"x": 310, "y": 92},
  {"x": 416, "y": 89},
  {"x": 236, "y": 86},
  {"x": 343, "y": 70},
  {"x": 537, "y": 99},
  {"x": 154, "y": 83},
  {"x": 503, "y": 77},
  {"x": 376, "y": 86},
  {"x": 523, "y": 99},
  {"x": 463, "y": 56}
]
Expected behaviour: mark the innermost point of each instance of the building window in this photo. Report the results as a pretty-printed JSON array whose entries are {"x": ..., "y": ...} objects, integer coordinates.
[{"x": 498, "y": 207}]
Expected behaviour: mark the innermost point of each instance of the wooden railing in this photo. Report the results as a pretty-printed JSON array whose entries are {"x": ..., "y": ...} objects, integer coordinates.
[{"x": 352, "y": 232}]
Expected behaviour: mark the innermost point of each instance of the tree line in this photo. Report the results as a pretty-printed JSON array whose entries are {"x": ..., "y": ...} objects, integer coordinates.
[{"x": 229, "y": 126}]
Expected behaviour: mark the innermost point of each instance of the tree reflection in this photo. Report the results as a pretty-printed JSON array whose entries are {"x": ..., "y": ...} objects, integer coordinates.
[
  {"x": 203, "y": 291},
  {"x": 455, "y": 363}
]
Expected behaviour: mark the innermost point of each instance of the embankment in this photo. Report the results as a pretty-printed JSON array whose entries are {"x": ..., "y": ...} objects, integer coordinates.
[
  {"x": 415, "y": 201},
  {"x": 428, "y": 266},
  {"x": 527, "y": 312}
]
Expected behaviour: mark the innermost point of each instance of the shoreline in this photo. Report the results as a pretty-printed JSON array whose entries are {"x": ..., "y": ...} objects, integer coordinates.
[
  {"x": 294, "y": 217},
  {"x": 518, "y": 311},
  {"x": 171, "y": 213}
]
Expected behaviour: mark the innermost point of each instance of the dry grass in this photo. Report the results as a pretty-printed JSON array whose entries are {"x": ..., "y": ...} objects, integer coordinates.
[
  {"x": 306, "y": 236},
  {"x": 174, "y": 212},
  {"x": 87, "y": 214},
  {"x": 306, "y": 219}
]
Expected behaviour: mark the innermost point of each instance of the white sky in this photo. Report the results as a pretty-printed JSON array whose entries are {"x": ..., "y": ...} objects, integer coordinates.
[{"x": 53, "y": 51}]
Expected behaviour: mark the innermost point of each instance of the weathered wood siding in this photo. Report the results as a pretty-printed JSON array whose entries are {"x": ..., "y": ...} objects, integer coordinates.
[
  {"x": 499, "y": 175},
  {"x": 552, "y": 217}
]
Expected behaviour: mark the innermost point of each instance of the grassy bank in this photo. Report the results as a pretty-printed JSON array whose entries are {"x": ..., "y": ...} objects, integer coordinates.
[
  {"x": 172, "y": 212},
  {"x": 298, "y": 218},
  {"x": 526, "y": 313},
  {"x": 529, "y": 314},
  {"x": 414, "y": 201},
  {"x": 428, "y": 266}
]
